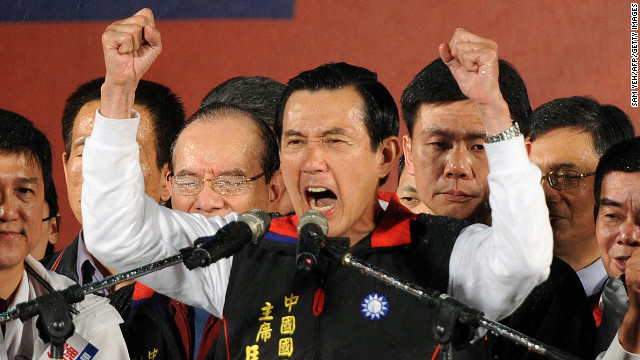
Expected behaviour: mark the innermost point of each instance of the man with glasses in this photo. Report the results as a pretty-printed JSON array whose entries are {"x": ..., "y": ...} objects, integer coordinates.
[
  {"x": 568, "y": 136},
  {"x": 223, "y": 161}
]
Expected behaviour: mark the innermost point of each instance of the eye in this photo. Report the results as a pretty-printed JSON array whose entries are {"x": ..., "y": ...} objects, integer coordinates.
[
  {"x": 335, "y": 141},
  {"x": 186, "y": 180},
  {"x": 294, "y": 143},
  {"x": 408, "y": 199},
  {"x": 441, "y": 145},
  {"x": 25, "y": 193},
  {"x": 610, "y": 216},
  {"x": 477, "y": 147},
  {"x": 25, "y": 190}
]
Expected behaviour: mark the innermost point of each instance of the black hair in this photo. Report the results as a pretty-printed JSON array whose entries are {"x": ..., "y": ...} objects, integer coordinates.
[
  {"x": 269, "y": 157},
  {"x": 607, "y": 124},
  {"x": 381, "y": 118},
  {"x": 19, "y": 136},
  {"x": 165, "y": 107},
  {"x": 623, "y": 156},
  {"x": 436, "y": 85},
  {"x": 258, "y": 95},
  {"x": 401, "y": 164}
]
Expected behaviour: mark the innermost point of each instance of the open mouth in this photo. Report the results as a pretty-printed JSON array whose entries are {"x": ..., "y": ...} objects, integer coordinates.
[
  {"x": 321, "y": 199},
  {"x": 621, "y": 263}
]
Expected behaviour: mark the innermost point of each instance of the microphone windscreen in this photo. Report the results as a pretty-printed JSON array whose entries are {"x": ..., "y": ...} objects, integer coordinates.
[
  {"x": 258, "y": 220},
  {"x": 313, "y": 217}
]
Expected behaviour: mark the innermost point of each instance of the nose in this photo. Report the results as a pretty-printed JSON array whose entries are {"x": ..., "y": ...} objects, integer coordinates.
[
  {"x": 458, "y": 163},
  {"x": 209, "y": 202},
  {"x": 314, "y": 160},
  {"x": 551, "y": 195},
  {"x": 8, "y": 208},
  {"x": 629, "y": 233}
]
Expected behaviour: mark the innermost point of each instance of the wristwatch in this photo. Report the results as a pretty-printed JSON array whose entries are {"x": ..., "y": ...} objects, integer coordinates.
[{"x": 510, "y": 133}]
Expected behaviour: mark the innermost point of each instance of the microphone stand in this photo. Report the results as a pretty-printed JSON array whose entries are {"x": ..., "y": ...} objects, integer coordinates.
[
  {"x": 55, "y": 307},
  {"x": 454, "y": 320}
]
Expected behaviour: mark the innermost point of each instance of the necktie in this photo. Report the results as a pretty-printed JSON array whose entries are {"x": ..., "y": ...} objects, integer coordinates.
[{"x": 87, "y": 272}]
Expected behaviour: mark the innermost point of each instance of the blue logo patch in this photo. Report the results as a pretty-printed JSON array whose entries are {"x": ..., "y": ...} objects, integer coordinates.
[{"x": 374, "y": 306}]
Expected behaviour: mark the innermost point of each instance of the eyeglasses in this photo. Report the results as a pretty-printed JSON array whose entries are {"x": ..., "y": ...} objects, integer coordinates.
[
  {"x": 564, "y": 179},
  {"x": 225, "y": 185}
]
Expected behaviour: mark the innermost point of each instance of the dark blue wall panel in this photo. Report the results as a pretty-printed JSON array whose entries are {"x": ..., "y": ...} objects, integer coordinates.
[{"x": 88, "y": 10}]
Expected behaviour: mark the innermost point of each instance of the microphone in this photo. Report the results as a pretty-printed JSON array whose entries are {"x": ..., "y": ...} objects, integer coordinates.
[
  {"x": 312, "y": 230},
  {"x": 250, "y": 226}
]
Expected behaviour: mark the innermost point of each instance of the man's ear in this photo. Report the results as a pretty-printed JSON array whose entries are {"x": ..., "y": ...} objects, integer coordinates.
[
  {"x": 527, "y": 144},
  {"x": 408, "y": 160},
  {"x": 276, "y": 191},
  {"x": 65, "y": 163},
  {"x": 388, "y": 152},
  {"x": 54, "y": 223},
  {"x": 165, "y": 191}
]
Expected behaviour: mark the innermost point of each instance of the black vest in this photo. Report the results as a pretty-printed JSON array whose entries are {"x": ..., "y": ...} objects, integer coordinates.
[{"x": 274, "y": 311}]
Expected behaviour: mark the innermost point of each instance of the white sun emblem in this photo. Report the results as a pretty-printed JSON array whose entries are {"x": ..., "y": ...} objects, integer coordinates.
[{"x": 374, "y": 306}]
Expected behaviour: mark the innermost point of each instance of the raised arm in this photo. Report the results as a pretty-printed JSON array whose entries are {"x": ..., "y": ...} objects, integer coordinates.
[
  {"x": 130, "y": 46},
  {"x": 494, "y": 268},
  {"x": 123, "y": 227},
  {"x": 473, "y": 61}
]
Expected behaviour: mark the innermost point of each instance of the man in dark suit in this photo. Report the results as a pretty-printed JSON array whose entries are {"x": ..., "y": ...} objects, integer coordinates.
[{"x": 163, "y": 116}]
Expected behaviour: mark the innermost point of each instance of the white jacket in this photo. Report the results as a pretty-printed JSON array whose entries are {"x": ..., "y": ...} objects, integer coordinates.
[{"x": 96, "y": 322}]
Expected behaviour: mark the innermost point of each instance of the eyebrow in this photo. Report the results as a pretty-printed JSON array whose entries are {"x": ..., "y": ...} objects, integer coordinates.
[
  {"x": 449, "y": 134},
  {"x": 79, "y": 141},
  {"x": 232, "y": 172},
  {"x": 332, "y": 131},
  {"x": 335, "y": 131},
  {"x": 409, "y": 188},
  {"x": 227, "y": 172},
  {"x": 609, "y": 202},
  {"x": 28, "y": 180},
  {"x": 563, "y": 165}
]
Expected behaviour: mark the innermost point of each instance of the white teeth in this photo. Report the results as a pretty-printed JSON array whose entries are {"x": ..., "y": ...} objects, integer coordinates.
[
  {"x": 312, "y": 202},
  {"x": 318, "y": 189}
]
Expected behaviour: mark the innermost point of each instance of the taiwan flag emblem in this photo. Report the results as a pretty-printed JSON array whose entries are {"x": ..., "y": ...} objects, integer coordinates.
[{"x": 374, "y": 306}]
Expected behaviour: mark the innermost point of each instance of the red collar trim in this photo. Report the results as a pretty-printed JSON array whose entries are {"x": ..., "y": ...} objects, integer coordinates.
[
  {"x": 394, "y": 229},
  {"x": 141, "y": 291},
  {"x": 285, "y": 225}
]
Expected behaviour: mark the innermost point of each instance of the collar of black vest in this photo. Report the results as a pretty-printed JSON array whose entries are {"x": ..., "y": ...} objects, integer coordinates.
[{"x": 393, "y": 229}]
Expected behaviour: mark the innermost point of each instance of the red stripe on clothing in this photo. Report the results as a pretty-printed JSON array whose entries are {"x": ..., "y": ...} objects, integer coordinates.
[
  {"x": 394, "y": 228},
  {"x": 285, "y": 226},
  {"x": 142, "y": 291},
  {"x": 55, "y": 265}
]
